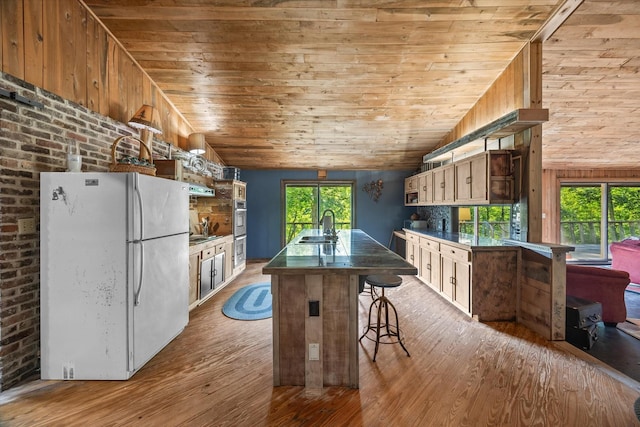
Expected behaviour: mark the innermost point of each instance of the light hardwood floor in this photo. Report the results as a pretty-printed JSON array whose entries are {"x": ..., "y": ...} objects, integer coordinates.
[{"x": 461, "y": 372}]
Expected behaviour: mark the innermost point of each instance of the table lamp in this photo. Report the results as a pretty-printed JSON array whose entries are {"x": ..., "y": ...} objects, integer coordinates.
[{"x": 146, "y": 119}]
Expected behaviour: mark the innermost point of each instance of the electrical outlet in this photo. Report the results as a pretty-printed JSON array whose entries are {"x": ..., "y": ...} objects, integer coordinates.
[
  {"x": 26, "y": 225},
  {"x": 314, "y": 351}
]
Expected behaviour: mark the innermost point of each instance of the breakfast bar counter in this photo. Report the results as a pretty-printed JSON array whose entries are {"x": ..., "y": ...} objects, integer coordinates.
[{"x": 315, "y": 283}]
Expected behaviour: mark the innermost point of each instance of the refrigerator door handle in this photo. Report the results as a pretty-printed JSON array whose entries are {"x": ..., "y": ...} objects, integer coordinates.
[
  {"x": 136, "y": 300},
  {"x": 136, "y": 187}
]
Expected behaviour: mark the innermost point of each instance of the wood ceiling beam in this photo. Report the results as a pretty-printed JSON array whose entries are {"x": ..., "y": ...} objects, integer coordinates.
[{"x": 557, "y": 18}]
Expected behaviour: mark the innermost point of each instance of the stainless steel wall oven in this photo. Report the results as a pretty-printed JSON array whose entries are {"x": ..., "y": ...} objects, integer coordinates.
[{"x": 240, "y": 218}]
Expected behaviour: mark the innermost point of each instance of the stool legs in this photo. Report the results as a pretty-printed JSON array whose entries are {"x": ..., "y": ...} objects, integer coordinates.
[
  {"x": 391, "y": 330},
  {"x": 371, "y": 290}
]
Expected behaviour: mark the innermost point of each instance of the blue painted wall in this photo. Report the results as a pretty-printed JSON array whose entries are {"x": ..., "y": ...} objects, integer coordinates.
[{"x": 264, "y": 212}]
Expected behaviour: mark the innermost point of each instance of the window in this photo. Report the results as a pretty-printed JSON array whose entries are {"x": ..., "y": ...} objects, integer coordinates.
[
  {"x": 485, "y": 221},
  {"x": 592, "y": 216},
  {"x": 304, "y": 203}
]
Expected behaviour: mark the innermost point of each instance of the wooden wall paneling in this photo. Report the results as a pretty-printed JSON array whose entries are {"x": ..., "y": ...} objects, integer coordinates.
[
  {"x": 33, "y": 42},
  {"x": 313, "y": 331},
  {"x": 354, "y": 331},
  {"x": 124, "y": 110},
  {"x": 558, "y": 295},
  {"x": 114, "y": 90},
  {"x": 535, "y": 293},
  {"x": 146, "y": 90},
  {"x": 292, "y": 302},
  {"x": 52, "y": 50},
  {"x": 275, "y": 327},
  {"x": 134, "y": 77},
  {"x": 12, "y": 37},
  {"x": 550, "y": 207},
  {"x": 104, "y": 82},
  {"x": 533, "y": 95},
  {"x": 65, "y": 49},
  {"x": 535, "y": 75},
  {"x": 504, "y": 96},
  {"x": 94, "y": 53},
  {"x": 130, "y": 79},
  {"x": 335, "y": 310},
  {"x": 494, "y": 285},
  {"x": 75, "y": 76}
]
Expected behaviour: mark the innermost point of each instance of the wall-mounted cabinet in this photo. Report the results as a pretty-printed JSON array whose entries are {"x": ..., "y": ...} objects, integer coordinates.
[
  {"x": 425, "y": 187},
  {"x": 444, "y": 185},
  {"x": 418, "y": 189},
  {"x": 482, "y": 179},
  {"x": 411, "y": 191}
]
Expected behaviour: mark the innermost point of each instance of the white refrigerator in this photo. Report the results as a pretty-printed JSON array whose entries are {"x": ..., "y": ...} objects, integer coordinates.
[{"x": 114, "y": 272}]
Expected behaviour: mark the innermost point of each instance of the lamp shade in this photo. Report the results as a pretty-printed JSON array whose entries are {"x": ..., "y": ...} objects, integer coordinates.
[
  {"x": 146, "y": 118},
  {"x": 196, "y": 143},
  {"x": 464, "y": 214}
]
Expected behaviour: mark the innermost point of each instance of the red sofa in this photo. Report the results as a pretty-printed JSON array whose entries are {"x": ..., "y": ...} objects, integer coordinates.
[
  {"x": 625, "y": 256},
  {"x": 602, "y": 285}
]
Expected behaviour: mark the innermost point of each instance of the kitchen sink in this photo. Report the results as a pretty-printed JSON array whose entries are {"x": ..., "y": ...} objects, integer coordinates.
[
  {"x": 200, "y": 238},
  {"x": 317, "y": 239}
]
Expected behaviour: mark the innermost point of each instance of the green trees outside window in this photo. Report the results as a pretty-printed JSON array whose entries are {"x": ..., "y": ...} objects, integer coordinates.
[
  {"x": 306, "y": 201},
  {"x": 592, "y": 216}
]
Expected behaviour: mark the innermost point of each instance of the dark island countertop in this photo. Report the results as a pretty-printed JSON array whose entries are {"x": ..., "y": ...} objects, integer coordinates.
[
  {"x": 479, "y": 243},
  {"x": 355, "y": 252}
]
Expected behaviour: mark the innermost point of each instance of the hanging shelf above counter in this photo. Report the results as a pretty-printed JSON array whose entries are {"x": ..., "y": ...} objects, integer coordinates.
[{"x": 509, "y": 124}]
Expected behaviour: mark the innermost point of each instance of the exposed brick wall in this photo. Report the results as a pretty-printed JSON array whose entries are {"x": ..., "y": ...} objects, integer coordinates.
[{"x": 35, "y": 140}]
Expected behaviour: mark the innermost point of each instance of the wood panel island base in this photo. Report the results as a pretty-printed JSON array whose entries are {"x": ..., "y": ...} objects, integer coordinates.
[{"x": 315, "y": 288}]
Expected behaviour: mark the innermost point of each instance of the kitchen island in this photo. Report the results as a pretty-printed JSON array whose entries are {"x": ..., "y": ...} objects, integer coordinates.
[{"x": 315, "y": 283}]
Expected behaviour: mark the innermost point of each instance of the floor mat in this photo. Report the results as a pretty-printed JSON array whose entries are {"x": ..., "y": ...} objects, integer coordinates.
[
  {"x": 630, "y": 328},
  {"x": 251, "y": 302}
]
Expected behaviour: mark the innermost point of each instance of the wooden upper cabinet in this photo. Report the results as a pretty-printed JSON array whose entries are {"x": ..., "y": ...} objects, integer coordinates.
[
  {"x": 471, "y": 179},
  {"x": 411, "y": 191},
  {"x": 485, "y": 178},
  {"x": 443, "y": 184},
  {"x": 425, "y": 188}
]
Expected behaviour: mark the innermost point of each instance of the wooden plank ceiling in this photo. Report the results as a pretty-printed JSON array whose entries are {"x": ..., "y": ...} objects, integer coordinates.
[{"x": 374, "y": 84}]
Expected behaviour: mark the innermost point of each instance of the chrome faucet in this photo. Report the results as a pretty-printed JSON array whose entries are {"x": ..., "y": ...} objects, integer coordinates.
[
  {"x": 331, "y": 233},
  {"x": 205, "y": 226}
]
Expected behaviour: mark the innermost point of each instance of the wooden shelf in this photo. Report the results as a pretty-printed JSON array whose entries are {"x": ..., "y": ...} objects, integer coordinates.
[{"x": 509, "y": 124}]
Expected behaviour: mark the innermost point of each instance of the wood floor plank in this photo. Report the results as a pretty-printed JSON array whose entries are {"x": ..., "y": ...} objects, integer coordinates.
[{"x": 218, "y": 372}]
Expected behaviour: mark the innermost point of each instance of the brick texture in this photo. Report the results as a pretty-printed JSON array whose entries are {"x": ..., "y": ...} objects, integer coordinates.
[{"x": 34, "y": 140}]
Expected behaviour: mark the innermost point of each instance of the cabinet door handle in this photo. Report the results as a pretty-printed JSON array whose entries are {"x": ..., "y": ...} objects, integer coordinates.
[
  {"x": 428, "y": 266},
  {"x": 468, "y": 180}
]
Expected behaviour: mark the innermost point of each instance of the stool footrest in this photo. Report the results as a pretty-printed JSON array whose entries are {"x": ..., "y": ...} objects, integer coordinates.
[{"x": 384, "y": 328}]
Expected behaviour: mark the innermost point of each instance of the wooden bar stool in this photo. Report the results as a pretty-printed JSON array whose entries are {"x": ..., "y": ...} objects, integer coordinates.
[{"x": 383, "y": 328}]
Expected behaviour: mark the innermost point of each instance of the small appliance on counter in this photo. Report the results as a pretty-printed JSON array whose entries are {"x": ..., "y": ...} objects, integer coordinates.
[{"x": 415, "y": 224}]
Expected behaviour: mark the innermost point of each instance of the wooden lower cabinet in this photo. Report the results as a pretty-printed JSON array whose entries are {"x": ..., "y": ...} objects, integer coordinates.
[
  {"x": 430, "y": 263},
  {"x": 201, "y": 252},
  {"x": 194, "y": 277},
  {"x": 481, "y": 281},
  {"x": 413, "y": 250}
]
